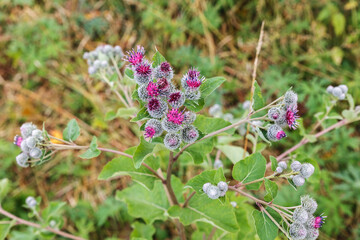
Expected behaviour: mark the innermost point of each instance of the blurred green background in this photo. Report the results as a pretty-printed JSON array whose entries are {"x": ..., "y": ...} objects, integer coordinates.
[{"x": 307, "y": 44}]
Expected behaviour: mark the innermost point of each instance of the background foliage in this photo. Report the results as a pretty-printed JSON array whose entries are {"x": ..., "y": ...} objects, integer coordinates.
[{"x": 308, "y": 45}]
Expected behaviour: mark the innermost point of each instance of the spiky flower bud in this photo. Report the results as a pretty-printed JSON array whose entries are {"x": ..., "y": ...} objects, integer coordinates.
[
  {"x": 157, "y": 108},
  {"x": 18, "y": 140},
  {"x": 215, "y": 110},
  {"x": 283, "y": 165},
  {"x": 176, "y": 99},
  {"x": 337, "y": 92},
  {"x": 281, "y": 120},
  {"x": 164, "y": 86},
  {"x": 142, "y": 73},
  {"x": 143, "y": 93},
  {"x": 164, "y": 70},
  {"x": 223, "y": 187},
  {"x": 274, "y": 113},
  {"x": 205, "y": 187},
  {"x": 170, "y": 126},
  {"x": 290, "y": 99},
  {"x": 135, "y": 57},
  {"x": 309, "y": 204},
  {"x": 306, "y": 170},
  {"x": 329, "y": 89},
  {"x": 218, "y": 164},
  {"x": 189, "y": 117},
  {"x": 192, "y": 94},
  {"x": 275, "y": 133},
  {"x": 24, "y": 147},
  {"x": 26, "y": 129},
  {"x": 153, "y": 128},
  {"x": 152, "y": 89},
  {"x": 31, "y": 142},
  {"x": 31, "y": 202},
  {"x": 297, "y": 231},
  {"x": 343, "y": 88},
  {"x": 312, "y": 234},
  {"x": 300, "y": 215},
  {"x": 295, "y": 166},
  {"x": 37, "y": 134},
  {"x": 213, "y": 192},
  {"x": 21, "y": 160},
  {"x": 172, "y": 141},
  {"x": 298, "y": 180},
  {"x": 189, "y": 134},
  {"x": 279, "y": 170},
  {"x": 35, "y": 153},
  {"x": 234, "y": 204},
  {"x": 309, "y": 223}
]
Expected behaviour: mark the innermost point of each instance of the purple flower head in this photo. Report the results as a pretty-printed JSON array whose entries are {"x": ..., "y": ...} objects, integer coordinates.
[
  {"x": 135, "y": 57},
  {"x": 163, "y": 84},
  {"x": 319, "y": 221},
  {"x": 154, "y": 104},
  {"x": 17, "y": 140},
  {"x": 165, "y": 67},
  {"x": 175, "y": 116},
  {"x": 281, "y": 134},
  {"x": 152, "y": 89},
  {"x": 291, "y": 117},
  {"x": 149, "y": 132},
  {"x": 192, "y": 79},
  {"x": 143, "y": 69},
  {"x": 176, "y": 99},
  {"x": 193, "y": 73}
]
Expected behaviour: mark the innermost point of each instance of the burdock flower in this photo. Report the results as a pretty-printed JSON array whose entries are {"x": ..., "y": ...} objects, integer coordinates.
[
  {"x": 173, "y": 120},
  {"x": 143, "y": 93},
  {"x": 22, "y": 159},
  {"x": 319, "y": 221},
  {"x": 189, "y": 117},
  {"x": 274, "y": 113},
  {"x": 189, "y": 134},
  {"x": 290, "y": 99},
  {"x": 164, "y": 70},
  {"x": 192, "y": 80},
  {"x": 142, "y": 73},
  {"x": 300, "y": 215},
  {"x": 156, "y": 108},
  {"x": 298, "y": 180},
  {"x": 291, "y": 117},
  {"x": 213, "y": 192},
  {"x": 26, "y": 129},
  {"x": 135, "y": 57},
  {"x": 152, "y": 89},
  {"x": 309, "y": 204},
  {"x": 164, "y": 86},
  {"x": 275, "y": 133},
  {"x": 297, "y": 231},
  {"x": 153, "y": 128},
  {"x": 306, "y": 170},
  {"x": 172, "y": 141},
  {"x": 31, "y": 202},
  {"x": 312, "y": 234},
  {"x": 17, "y": 140},
  {"x": 176, "y": 99},
  {"x": 192, "y": 94}
]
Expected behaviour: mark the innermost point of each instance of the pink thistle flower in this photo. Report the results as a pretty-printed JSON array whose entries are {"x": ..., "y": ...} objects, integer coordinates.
[
  {"x": 319, "y": 221},
  {"x": 280, "y": 135},
  {"x": 143, "y": 69},
  {"x": 165, "y": 67},
  {"x": 152, "y": 89},
  {"x": 193, "y": 73},
  {"x": 135, "y": 57},
  {"x": 154, "y": 104},
  {"x": 291, "y": 117},
  {"x": 194, "y": 83},
  {"x": 163, "y": 84},
  {"x": 193, "y": 79},
  {"x": 175, "y": 116},
  {"x": 149, "y": 132},
  {"x": 17, "y": 140}
]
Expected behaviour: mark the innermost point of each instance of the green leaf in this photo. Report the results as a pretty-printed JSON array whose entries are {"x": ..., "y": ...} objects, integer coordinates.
[
  {"x": 271, "y": 190},
  {"x": 141, "y": 115},
  {"x": 72, "y": 131},
  {"x": 5, "y": 229},
  {"x": 208, "y": 124},
  {"x": 4, "y": 188},
  {"x": 143, "y": 150},
  {"x": 274, "y": 163},
  {"x": 265, "y": 228},
  {"x": 110, "y": 115},
  {"x": 349, "y": 114},
  {"x": 292, "y": 184},
  {"x": 157, "y": 59},
  {"x": 338, "y": 21},
  {"x": 211, "y": 176},
  {"x": 351, "y": 101},
  {"x": 92, "y": 151},
  {"x": 310, "y": 137},
  {"x": 234, "y": 153},
  {"x": 259, "y": 101},
  {"x": 199, "y": 150},
  {"x": 125, "y": 166},
  {"x": 202, "y": 208},
  {"x": 262, "y": 134},
  {"x": 129, "y": 73},
  {"x": 142, "y": 230},
  {"x": 209, "y": 85},
  {"x": 195, "y": 105},
  {"x": 251, "y": 168},
  {"x": 126, "y": 112}
]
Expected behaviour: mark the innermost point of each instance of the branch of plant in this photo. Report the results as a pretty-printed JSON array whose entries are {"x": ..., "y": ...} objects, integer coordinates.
[
  {"x": 35, "y": 225},
  {"x": 268, "y": 177},
  {"x": 323, "y": 118},
  {"x": 186, "y": 203}
]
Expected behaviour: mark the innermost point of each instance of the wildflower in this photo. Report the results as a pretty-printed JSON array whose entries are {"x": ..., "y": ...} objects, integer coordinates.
[
  {"x": 153, "y": 128},
  {"x": 175, "y": 116},
  {"x": 170, "y": 126},
  {"x": 218, "y": 164},
  {"x": 312, "y": 234},
  {"x": 298, "y": 180},
  {"x": 189, "y": 117},
  {"x": 223, "y": 187},
  {"x": 176, "y": 99},
  {"x": 142, "y": 73},
  {"x": 291, "y": 117},
  {"x": 206, "y": 186},
  {"x": 213, "y": 192},
  {"x": 191, "y": 80},
  {"x": 152, "y": 89},
  {"x": 283, "y": 165},
  {"x": 24, "y": 147},
  {"x": 26, "y": 129},
  {"x": 297, "y": 231},
  {"x": 290, "y": 99},
  {"x": 306, "y": 170},
  {"x": 319, "y": 221},
  {"x": 35, "y": 153},
  {"x": 164, "y": 86},
  {"x": 192, "y": 94},
  {"x": 295, "y": 166},
  {"x": 172, "y": 141},
  {"x": 274, "y": 113},
  {"x": 300, "y": 215},
  {"x": 31, "y": 202},
  {"x": 143, "y": 93},
  {"x": 37, "y": 134},
  {"x": 22, "y": 159},
  {"x": 275, "y": 133},
  {"x": 279, "y": 170},
  {"x": 17, "y": 140},
  {"x": 30, "y": 142},
  {"x": 189, "y": 134},
  {"x": 309, "y": 204},
  {"x": 135, "y": 57},
  {"x": 164, "y": 70},
  {"x": 156, "y": 108}
]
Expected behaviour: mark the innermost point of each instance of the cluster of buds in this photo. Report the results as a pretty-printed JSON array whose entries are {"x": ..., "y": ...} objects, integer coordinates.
[
  {"x": 338, "y": 92},
  {"x": 102, "y": 59},
  {"x": 164, "y": 102},
  {"x": 214, "y": 192},
  {"x": 306, "y": 225},
  {"x": 30, "y": 144},
  {"x": 304, "y": 171},
  {"x": 281, "y": 167},
  {"x": 283, "y": 116}
]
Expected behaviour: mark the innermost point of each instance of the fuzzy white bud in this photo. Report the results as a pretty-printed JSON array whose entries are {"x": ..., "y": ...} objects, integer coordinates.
[
  {"x": 295, "y": 166},
  {"x": 213, "y": 192},
  {"x": 283, "y": 165},
  {"x": 31, "y": 202},
  {"x": 307, "y": 170},
  {"x": 300, "y": 215},
  {"x": 298, "y": 180},
  {"x": 309, "y": 204}
]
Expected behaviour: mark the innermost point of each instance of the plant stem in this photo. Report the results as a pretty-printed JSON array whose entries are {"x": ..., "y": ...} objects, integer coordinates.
[
  {"x": 35, "y": 225},
  {"x": 269, "y": 177},
  {"x": 274, "y": 221},
  {"x": 186, "y": 203}
]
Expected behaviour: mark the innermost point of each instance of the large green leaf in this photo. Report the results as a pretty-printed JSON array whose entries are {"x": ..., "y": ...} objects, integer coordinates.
[
  {"x": 209, "y": 85},
  {"x": 125, "y": 166},
  {"x": 92, "y": 151},
  {"x": 194, "y": 105},
  {"x": 72, "y": 131},
  {"x": 271, "y": 190},
  {"x": 5, "y": 229},
  {"x": 251, "y": 168},
  {"x": 234, "y": 153},
  {"x": 208, "y": 124},
  {"x": 259, "y": 101},
  {"x": 141, "y": 230},
  {"x": 265, "y": 228},
  {"x": 143, "y": 150},
  {"x": 141, "y": 115},
  {"x": 199, "y": 150},
  {"x": 157, "y": 59},
  {"x": 274, "y": 163},
  {"x": 202, "y": 208},
  {"x": 208, "y": 176}
]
